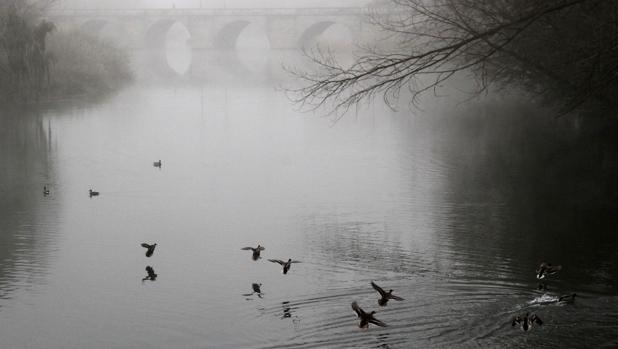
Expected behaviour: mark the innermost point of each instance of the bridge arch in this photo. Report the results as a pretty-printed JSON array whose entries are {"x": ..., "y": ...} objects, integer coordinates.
[
  {"x": 156, "y": 43},
  {"x": 313, "y": 32},
  {"x": 227, "y": 36}
]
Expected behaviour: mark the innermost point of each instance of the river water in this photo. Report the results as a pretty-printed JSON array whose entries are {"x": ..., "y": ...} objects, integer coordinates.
[{"x": 444, "y": 215}]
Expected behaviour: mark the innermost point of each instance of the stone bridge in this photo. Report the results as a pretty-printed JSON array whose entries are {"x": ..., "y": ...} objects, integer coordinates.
[
  {"x": 214, "y": 29},
  {"x": 288, "y": 28}
]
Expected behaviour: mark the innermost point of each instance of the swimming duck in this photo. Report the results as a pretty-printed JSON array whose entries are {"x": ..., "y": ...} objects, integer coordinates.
[
  {"x": 150, "y": 248},
  {"x": 157, "y": 164},
  {"x": 152, "y": 276},
  {"x": 526, "y": 321},
  {"x": 256, "y": 251},
  {"x": 385, "y": 295},
  {"x": 546, "y": 269},
  {"x": 286, "y": 265},
  {"x": 542, "y": 287},
  {"x": 366, "y": 318},
  {"x": 45, "y": 191},
  {"x": 567, "y": 298},
  {"x": 93, "y": 193}
]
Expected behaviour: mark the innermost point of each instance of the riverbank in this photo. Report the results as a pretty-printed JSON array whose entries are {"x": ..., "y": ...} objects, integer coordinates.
[{"x": 40, "y": 64}]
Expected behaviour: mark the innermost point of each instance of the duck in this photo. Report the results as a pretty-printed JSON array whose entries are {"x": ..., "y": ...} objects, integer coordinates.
[
  {"x": 366, "y": 318},
  {"x": 45, "y": 191},
  {"x": 542, "y": 287},
  {"x": 150, "y": 248},
  {"x": 256, "y": 251},
  {"x": 93, "y": 193},
  {"x": 567, "y": 298},
  {"x": 546, "y": 269},
  {"x": 527, "y": 321},
  {"x": 286, "y": 265},
  {"x": 157, "y": 164},
  {"x": 152, "y": 276},
  {"x": 385, "y": 295}
]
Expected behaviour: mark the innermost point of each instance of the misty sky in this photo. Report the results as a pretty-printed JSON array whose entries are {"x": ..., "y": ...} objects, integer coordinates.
[{"x": 205, "y": 3}]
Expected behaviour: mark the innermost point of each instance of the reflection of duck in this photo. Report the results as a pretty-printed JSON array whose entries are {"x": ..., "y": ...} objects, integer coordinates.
[
  {"x": 567, "y": 298},
  {"x": 45, "y": 191},
  {"x": 286, "y": 265},
  {"x": 526, "y": 321},
  {"x": 546, "y": 269},
  {"x": 150, "y": 248},
  {"x": 256, "y": 251},
  {"x": 385, "y": 295},
  {"x": 287, "y": 310},
  {"x": 152, "y": 276},
  {"x": 157, "y": 164},
  {"x": 366, "y": 318},
  {"x": 93, "y": 193}
]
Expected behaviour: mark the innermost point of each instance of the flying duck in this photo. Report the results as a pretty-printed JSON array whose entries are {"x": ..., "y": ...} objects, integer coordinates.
[
  {"x": 157, "y": 164},
  {"x": 286, "y": 265},
  {"x": 256, "y": 289},
  {"x": 150, "y": 248},
  {"x": 45, "y": 191},
  {"x": 385, "y": 295},
  {"x": 366, "y": 318},
  {"x": 526, "y": 321},
  {"x": 152, "y": 276},
  {"x": 93, "y": 193},
  {"x": 256, "y": 251},
  {"x": 546, "y": 269}
]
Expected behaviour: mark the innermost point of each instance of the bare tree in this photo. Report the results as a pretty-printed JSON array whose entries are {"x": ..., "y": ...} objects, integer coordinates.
[{"x": 563, "y": 50}]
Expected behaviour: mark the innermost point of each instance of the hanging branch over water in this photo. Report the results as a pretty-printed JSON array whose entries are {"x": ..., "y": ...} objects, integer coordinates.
[{"x": 561, "y": 49}]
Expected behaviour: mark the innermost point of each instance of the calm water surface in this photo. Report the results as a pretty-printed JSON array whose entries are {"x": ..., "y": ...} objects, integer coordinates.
[{"x": 384, "y": 196}]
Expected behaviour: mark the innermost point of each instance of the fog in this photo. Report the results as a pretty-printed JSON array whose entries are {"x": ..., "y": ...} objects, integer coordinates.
[
  {"x": 223, "y": 144},
  {"x": 207, "y": 3}
]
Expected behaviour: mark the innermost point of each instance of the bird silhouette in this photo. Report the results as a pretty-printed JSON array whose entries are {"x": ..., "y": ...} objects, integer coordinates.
[
  {"x": 150, "y": 248},
  {"x": 286, "y": 265},
  {"x": 366, "y": 318},
  {"x": 385, "y": 295},
  {"x": 526, "y": 321},
  {"x": 93, "y": 193},
  {"x": 157, "y": 164},
  {"x": 256, "y": 251}
]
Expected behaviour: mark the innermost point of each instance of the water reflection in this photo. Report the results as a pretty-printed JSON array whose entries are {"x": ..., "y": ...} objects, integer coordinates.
[
  {"x": 27, "y": 229},
  {"x": 152, "y": 276},
  {"x": 256, "y": 289}
]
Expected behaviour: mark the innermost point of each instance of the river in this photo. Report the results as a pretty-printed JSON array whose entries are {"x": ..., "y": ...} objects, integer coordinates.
[{"x": 401, "y": 199}]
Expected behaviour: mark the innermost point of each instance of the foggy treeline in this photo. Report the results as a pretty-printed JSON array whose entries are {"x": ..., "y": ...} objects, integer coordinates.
[{"x": 38, "y": 62}]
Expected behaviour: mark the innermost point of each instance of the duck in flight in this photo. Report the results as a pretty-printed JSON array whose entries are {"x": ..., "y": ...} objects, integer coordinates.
[
  {"x": 526, "y": 321},
  {"x": 385, "y": 295},
  {"x": 286, "y": 265},
  {"x": 150, "y": 248},
  {"x": 93, "y": 193},
  {"x": 366, "y": 318},
  {"x": 256, "y": 251},
  {"x": 157, "y": 164},
  {"x": 45, "y": 191},
  {"x": 152, "y": 276},
  {"x": 546, "y": 269}
]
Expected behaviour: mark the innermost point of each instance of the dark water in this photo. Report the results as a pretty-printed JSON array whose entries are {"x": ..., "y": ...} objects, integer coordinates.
[{"x": 454, "y": 214}]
